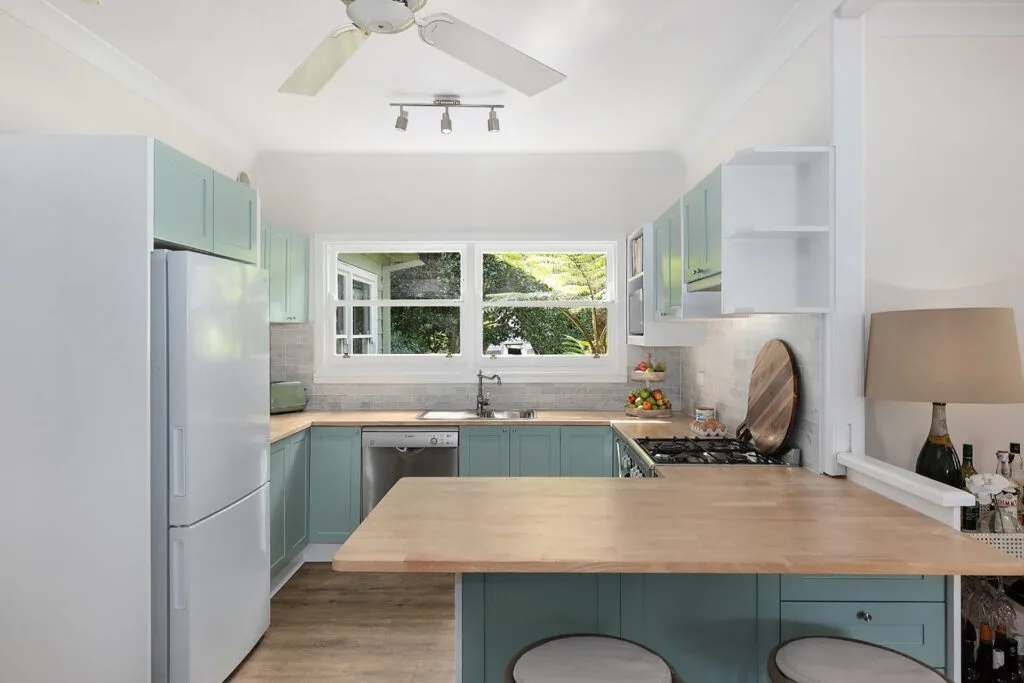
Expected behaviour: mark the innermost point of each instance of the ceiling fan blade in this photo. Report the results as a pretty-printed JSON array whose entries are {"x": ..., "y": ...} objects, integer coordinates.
[
  {"x": 324, "y": 62},
  {"x": 488, "y": 54}
]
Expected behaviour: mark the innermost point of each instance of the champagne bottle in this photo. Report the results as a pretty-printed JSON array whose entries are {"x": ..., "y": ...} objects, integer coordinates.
[{"x": 969, "y": 515}]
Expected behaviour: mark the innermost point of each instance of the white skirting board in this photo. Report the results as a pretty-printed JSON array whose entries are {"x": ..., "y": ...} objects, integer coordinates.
[{"x": 314, "y": 552}]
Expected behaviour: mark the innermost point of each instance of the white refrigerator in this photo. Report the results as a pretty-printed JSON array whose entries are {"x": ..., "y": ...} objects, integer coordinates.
[{"x": 211, "y": 419}]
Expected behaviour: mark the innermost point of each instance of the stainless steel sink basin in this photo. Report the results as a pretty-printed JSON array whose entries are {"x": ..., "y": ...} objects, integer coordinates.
[
  {"x": 459, "y": 415},
  {"x": 521, "y": 414}
]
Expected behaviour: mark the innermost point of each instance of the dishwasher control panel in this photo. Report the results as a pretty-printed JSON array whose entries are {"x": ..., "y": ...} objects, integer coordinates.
[{"x": 411, "y": 439}]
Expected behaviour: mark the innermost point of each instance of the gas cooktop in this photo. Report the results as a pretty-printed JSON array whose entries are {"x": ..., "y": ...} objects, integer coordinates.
[{"x": 683, "y": 451}]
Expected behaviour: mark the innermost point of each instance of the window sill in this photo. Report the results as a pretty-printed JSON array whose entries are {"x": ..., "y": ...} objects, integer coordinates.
[{"x": 532, "y": 376}]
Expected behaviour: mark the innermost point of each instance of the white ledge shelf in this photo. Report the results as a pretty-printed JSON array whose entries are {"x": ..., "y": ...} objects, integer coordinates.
[{"x": 777, "y": 231}]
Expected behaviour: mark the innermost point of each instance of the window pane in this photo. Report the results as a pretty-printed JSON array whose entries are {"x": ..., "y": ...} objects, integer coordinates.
[
  {"x": 339, "y": 320},
  {"x": 341, "y": 346},
  {"x": 362, "y": 346},
  {"x": 342, "y": 279},
  {"x": 545, "y": 331},
  {"x": 545, "y": 277},
  {"x": 421, "y": 330},
  {"x": 404, "y": 275},
  {"x": 361, "y": 320}
]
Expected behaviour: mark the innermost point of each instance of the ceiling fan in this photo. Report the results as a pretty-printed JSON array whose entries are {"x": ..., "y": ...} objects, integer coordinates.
[{"x": 443, "y": 31}]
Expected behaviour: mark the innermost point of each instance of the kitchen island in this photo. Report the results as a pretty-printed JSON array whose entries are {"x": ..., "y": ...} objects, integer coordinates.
[{"x": 710, "y": 566}]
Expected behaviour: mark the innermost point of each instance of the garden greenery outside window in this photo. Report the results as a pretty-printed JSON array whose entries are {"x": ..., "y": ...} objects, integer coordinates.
[{"x": 440, "y": 312}]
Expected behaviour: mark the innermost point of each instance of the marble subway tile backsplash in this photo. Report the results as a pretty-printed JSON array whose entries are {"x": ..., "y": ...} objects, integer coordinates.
[
  {"x": 291, "y": 359},
  {"x": 727, "y": 360}
]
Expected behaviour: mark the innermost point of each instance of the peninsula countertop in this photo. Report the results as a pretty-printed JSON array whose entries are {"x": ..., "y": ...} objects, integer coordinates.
[
  {"x": 282, "y": 426},
  {"x": 709, "y": 519}
]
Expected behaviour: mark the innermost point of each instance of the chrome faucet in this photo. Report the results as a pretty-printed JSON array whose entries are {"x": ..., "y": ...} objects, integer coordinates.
[{"x": 482, "y": 402}]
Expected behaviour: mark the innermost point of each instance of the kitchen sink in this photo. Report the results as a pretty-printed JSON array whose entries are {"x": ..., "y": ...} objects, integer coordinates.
[{"x": 459, "y": 415}]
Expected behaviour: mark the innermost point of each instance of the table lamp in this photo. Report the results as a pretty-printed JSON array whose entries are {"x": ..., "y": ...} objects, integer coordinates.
[{"x": 940, "y": 356}]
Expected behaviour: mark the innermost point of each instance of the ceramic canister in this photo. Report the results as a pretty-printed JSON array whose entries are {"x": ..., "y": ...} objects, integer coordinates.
[{"x": 705, "y": 414}]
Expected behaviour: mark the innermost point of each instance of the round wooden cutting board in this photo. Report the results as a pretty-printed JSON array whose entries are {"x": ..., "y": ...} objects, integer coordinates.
[{"x": 771, "y": 402}]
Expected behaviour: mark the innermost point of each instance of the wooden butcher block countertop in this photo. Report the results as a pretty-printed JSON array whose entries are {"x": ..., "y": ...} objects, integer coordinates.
[
  {"x": 282, "y": 426},
  {"x": 710, "y": 519}
]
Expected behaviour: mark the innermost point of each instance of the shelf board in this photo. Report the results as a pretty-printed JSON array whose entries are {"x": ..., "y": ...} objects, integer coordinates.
[
  {"x": 781, "y": 156},
  {"x": 772, "y": 310},
  {"x": 776, "y": 231}
]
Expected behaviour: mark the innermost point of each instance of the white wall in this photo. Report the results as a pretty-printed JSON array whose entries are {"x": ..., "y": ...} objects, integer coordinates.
[
  {"x": 944, "y": 207},
  {"x": 74, "y": 412},
  {"x": 434, "y": 196},
  {"x": 46, "y": 89},
  {"x": 793, "y": 109}
]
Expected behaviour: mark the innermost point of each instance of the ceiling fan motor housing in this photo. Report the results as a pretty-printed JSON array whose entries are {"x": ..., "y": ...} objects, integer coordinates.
[{"x": 384, "y": 16}]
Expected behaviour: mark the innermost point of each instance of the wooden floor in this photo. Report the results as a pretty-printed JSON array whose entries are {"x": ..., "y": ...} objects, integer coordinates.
[{"x": 364, "y": 628}]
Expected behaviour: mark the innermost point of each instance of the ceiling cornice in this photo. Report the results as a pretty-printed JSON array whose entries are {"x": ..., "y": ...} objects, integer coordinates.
[
  {"x": 805, "y": 19},
  {"x": 967, "y": 19},
  {"x": 61, "y": 29}
]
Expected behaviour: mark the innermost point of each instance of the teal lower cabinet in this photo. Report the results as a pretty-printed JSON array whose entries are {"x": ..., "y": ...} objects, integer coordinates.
[
  {"x": 917, "y": 629},
  {"x": 278, "y": 485},
  {"x": 289, "y": 499},
  {"x": 704, "y": 625},
  {"x": 716, "y": 628},
  {"x": 493, "y": 451},
  {"x": 484, "y": 451},
  {"x": 501, "y": 613},
  {"x": 534, "y": 451},
  {"x": 335, "y": 469},
  {"x": 904, "y": 588}
]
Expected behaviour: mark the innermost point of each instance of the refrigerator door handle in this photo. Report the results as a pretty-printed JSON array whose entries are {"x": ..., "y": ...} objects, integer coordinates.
[
  {"x": 179, "y": 596},
  {"x": 178, "y": 473}
]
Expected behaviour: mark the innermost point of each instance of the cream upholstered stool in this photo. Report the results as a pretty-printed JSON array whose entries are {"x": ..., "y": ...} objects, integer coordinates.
[
  {"x": 842, "y": 660},
  {"x": 588, "y": 659}
]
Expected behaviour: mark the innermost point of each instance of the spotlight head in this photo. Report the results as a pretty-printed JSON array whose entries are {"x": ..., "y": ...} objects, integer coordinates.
[
  {"x": 446, "y": 122},
  {"x": 402, "y": 123},
  {"x": 493, "y": 125}
]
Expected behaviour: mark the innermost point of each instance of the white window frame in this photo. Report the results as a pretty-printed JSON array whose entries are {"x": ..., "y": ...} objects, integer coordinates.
[
  {"x": 460, "y": 368},
  {"x": 352, "y": 275}
]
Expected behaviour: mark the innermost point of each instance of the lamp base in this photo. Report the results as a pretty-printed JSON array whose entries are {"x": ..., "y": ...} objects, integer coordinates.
[{"x": 938, "y": 459}]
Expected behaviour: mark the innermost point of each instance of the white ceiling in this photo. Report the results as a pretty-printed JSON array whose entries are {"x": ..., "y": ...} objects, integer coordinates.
[{"x": 638, "y": 70}]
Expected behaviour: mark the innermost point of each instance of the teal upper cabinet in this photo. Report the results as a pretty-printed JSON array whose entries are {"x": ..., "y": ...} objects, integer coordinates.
[
  {"x": 198, "y": 208},
  {"x": 534, "y": 451},
  {"x": 278, "y": 484},
  {"x": 668, "y": 261},
  {"x": 587, "y": 452},
  {"x": 703, "y": 229},
  {"x": 235, "y": 217},
  {"x": 286, "y": 256},
  {"x": 183, "y": 199},
  {"x": 296, "y": 498},
  {"x": 334, "y": 483},
  {"x": 484, "y": 452}
]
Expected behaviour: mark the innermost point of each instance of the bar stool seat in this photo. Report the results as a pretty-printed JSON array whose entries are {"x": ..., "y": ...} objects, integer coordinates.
[
  {"x": 842, "y": 660},
  {"x": 588, "y": 659}
]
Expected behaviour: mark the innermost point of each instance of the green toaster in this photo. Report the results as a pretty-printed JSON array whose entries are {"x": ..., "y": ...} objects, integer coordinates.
[{"x": 287, "y": 397}]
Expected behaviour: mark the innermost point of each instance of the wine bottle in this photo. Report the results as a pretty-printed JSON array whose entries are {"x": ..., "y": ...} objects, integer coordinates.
[{"x": 969, "y": 516}]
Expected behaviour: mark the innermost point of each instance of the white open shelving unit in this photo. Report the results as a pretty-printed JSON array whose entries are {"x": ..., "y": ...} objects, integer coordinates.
[{"x": 778, "y": 231}]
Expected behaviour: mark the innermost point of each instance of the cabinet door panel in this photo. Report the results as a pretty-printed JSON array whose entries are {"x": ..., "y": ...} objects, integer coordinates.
[
  {"x": 183, "y": 199},
  {"x": 913, "y": 628},
  {"x": 335, "y": 467},
  {"x": 298, "y": 278},
  {"x": 687, "y": 619},
  {"x": 713, "y": 221},
  {"x": 277, "y": 265},
  {"x": 296, "y": 494},
  {"x": 587, "y": 452},
  {"x": 534, "y": 452},
  {"x": 695, "y": 236},
  {"x": 234, "y": 219},
  {"x": 278, "y": 484},
  {"x": 675, "y": 241},
  {"x": 483, "y": 452},
  {"x": 663, "y": 265},
  {"x": 837, "y": 588}
]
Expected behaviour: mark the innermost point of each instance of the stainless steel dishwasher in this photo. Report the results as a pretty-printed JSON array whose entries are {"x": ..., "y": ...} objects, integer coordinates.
[{"x": 390, "y": 454}]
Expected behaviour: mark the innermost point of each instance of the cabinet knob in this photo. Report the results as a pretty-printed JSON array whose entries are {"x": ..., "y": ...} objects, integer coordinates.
[{"x": 865, "y": 617}]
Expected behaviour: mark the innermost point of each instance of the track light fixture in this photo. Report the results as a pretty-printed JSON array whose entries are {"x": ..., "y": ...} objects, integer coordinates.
[{"x": 448, "y": 103}]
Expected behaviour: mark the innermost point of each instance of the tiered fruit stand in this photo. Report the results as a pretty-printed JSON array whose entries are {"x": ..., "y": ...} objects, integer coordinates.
[{"x": 655, "y": 403}]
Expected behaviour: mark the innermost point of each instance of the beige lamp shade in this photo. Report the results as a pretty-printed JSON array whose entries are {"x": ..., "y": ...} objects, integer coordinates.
[{"x": 945, "y": 355}]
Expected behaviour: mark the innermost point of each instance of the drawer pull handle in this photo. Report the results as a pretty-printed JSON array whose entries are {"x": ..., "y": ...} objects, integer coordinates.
[{"x": 865, "y": 617}]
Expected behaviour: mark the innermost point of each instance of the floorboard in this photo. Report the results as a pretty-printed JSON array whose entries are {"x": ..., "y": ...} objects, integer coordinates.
[{"x": 365, "y": 628}]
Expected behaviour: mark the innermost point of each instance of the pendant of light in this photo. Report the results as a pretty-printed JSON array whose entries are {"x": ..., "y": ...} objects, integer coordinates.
[{"x": 447, "y": 103}]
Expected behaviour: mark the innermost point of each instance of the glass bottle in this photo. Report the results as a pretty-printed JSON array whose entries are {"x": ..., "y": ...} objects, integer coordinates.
[
  {"x": 985, "y": 652},
  {"x": 938, "y": 459},
  {"x": 1005, "y": 518},
  {"x": 969, "y": 516},
  {"x": 968, "y": 664},
  {"x": 1017, "y": 477},
  {"x": 1010, "y": 673}
]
